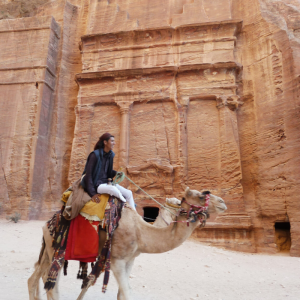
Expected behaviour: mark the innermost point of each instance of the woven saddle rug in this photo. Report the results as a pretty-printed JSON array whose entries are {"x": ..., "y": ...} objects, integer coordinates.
[
  {"x": 83, "y": 237},
  {"x": 112, "y": 217},
  {"x": 60, "y": 228}
]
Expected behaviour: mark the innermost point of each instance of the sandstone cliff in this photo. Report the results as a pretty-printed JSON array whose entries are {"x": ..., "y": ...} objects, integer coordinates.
[{"x": 197, "y": 93}]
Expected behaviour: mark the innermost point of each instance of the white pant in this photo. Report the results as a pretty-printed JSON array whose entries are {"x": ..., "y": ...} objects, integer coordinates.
[{"x": 117, "y": 191}]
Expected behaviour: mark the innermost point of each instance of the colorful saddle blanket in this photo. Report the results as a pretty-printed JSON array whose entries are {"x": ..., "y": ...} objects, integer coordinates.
[
  {"x": 78, "y": 239},
  {"x": 112, "y": 218},
  {"x": 83, "y": 240}
]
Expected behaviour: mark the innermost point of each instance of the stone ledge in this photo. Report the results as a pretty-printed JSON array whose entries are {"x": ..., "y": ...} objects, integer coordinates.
[
  {"x": 30, "y": 25},
  {"x": 213, "y": 226},
  {"x": 147, "y": 71},
  {"x": 183, "y": 43},
  {"x": 238, "y": 22}
]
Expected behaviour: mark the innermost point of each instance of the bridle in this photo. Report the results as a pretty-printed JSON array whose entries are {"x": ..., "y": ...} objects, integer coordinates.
[{"x": 195, "y": 212}]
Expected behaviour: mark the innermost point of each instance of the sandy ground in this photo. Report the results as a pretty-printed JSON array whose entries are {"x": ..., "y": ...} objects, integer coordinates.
[{"x": 192, "y": 271}]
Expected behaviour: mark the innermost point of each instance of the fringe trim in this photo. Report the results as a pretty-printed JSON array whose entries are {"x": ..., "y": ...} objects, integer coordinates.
[{"x": 89, "y": 217}]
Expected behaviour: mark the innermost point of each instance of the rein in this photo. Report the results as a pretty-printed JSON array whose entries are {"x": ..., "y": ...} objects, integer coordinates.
[
  {"x": 193, "y": 215},
  {"x": 120, "y": 177}
]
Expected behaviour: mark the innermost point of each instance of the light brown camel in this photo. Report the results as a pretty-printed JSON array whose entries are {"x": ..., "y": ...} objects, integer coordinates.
[{"x": 132, "y": 237}]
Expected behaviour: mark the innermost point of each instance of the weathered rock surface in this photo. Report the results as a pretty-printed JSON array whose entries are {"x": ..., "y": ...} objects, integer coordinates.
[
  {"x": 268, "y": 121},
  {"x": 28, "y": 61},
  {"x": 197, "y": 93}
]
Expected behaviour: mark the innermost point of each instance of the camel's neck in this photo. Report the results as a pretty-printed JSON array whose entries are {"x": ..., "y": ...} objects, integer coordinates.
[{"x": 159, "y": 240}]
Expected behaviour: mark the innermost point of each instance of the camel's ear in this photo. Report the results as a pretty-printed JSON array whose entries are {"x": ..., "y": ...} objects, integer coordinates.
[{"x": 188, "y": 192}]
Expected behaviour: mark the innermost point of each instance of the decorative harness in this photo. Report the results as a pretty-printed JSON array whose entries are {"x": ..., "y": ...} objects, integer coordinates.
[{"x": 196, "y": 212}]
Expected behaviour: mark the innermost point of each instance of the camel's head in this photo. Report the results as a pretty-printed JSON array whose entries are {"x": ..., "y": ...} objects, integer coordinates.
[{"x": 216, "y": 204}]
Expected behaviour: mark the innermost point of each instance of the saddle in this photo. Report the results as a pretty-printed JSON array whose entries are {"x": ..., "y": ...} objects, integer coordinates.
[{"x": 78, "y": 239}]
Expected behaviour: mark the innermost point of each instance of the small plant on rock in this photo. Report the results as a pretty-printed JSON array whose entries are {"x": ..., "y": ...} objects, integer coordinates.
[{"x": 14, "y": 217}]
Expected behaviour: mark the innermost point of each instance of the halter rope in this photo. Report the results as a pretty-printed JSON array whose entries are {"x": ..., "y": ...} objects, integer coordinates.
[
  {"x": 191, "y": 213},
  {"x": 121, "y": 176}
]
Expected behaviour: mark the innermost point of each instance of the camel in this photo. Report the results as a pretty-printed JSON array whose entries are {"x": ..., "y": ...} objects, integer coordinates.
[{"x": 132, "y": 237}]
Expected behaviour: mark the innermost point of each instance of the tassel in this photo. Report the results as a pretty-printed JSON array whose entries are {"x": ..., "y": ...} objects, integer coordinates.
[
  {"x": 84, "y": 266},
  {"x": 92, "y": 265},
  {"x": 85, "y": 283},
  {"x": 64, "y": 238},
  {"x": 58, "y": 240},
  {"x": 65, "y": 267},
  {"x": 49, "y": 285},
  {"x": 84, "y": 275},
  {"x": 79, "y": 275}
]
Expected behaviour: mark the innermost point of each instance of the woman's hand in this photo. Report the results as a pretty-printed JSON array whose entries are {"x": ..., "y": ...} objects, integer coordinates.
[{"x": 96, "y": 198}]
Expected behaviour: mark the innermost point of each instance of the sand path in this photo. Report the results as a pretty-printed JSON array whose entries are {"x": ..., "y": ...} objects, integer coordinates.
[{"x": 192, "y": 271}]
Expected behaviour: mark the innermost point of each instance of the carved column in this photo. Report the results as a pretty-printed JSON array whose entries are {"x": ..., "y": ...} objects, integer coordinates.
[
  {"x": 231, "y": 173},
  {"x": 183, "y": 146},
  {"x": 124, "y": 134}
]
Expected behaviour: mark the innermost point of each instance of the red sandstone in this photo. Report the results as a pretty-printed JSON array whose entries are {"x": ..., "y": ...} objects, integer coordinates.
[{"x": 197, "y": 93}]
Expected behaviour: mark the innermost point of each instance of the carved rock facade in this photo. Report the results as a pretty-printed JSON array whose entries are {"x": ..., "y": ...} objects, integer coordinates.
[{"x": 197, "y": 93}]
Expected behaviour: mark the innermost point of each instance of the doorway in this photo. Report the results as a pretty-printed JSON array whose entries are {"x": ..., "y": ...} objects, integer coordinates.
[
  {"x": 283, "y": 236},
  {"x": 150, "y": 213}
]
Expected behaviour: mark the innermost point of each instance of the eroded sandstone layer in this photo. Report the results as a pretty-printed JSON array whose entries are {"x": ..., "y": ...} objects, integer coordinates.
[
  {"x": 29, "y": 51},
  {"x": 197, "y": 93}
]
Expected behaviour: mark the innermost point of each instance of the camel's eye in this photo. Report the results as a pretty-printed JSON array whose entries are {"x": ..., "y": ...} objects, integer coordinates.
[{"x": 221, "y": 201}]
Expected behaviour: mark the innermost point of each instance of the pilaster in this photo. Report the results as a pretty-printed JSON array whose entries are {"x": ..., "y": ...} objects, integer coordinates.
[
  {"x": 231, "y": 172},
  {"x": 124, "y": 133},
  {"x": 183, "y": 138}
]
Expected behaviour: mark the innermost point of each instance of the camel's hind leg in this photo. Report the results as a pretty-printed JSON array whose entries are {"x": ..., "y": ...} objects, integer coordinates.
[
  {"x": 42, "y": 269},
  {"x": 53, "y": 293},
  {"x": 33, "y": 281}
]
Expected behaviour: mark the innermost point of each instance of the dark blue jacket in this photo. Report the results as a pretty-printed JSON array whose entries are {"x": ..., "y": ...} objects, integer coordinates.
[{"x": 96, "y": 168}]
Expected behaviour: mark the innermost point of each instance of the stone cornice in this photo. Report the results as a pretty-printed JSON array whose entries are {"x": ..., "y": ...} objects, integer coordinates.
[
  {"x": 137, "y": 47},
  {"x": 123, "y": 73},
  {"x": 145, "y": 71},
  {"x": 156, "y": 50},
  {"x": 135, "y": 97},
  {"x": 237, "y": 22}
]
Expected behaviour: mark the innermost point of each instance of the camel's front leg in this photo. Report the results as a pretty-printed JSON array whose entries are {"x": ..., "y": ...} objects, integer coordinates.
[
  {"x": 120, "y": 267},
  {"x": 129, "y": 266}
]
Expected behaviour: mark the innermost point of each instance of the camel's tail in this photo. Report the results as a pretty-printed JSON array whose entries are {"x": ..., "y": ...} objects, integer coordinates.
[{"x": 42, "y": 251}]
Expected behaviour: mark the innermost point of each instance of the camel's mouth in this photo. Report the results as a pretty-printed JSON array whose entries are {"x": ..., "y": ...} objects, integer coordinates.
[{"x": 221, "y": 209}]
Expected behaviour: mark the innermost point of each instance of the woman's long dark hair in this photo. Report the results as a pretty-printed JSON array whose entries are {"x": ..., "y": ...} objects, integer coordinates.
[{"x": 104, "y": 137}]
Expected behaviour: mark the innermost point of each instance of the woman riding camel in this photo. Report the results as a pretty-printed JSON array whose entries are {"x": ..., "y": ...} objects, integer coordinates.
[{"x": 98, "y": 172}]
